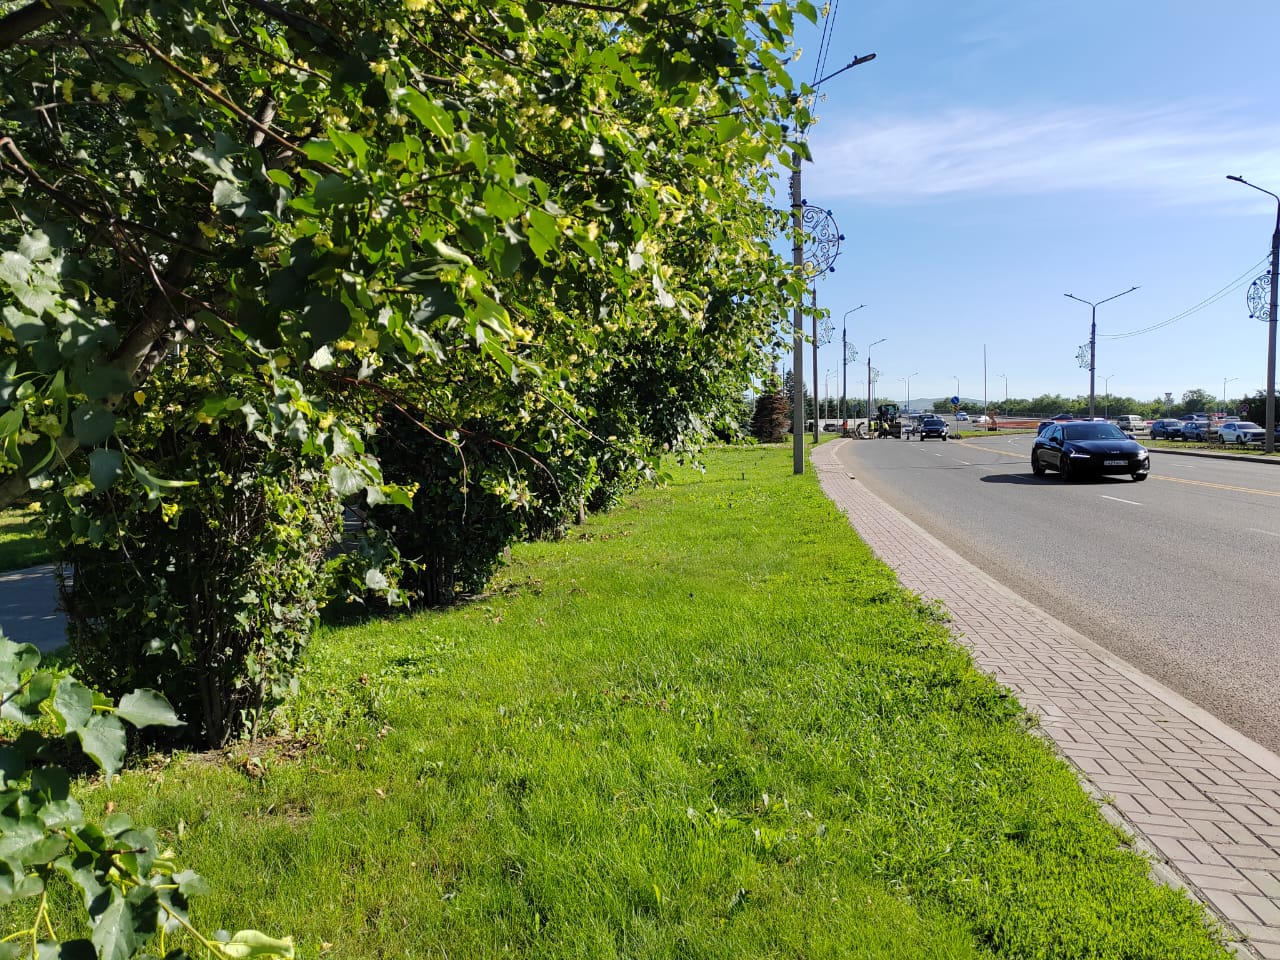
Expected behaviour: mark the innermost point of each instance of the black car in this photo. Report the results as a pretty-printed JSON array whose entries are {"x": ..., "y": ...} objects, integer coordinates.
[
  {"x": 1088, "y": 447},
  {"x": 933, "y": 427},
  {"x": 1166, "y": 429}
]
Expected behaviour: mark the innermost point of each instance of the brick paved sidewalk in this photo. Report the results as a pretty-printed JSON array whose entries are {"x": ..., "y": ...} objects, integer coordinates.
[{"x": 1204, "y": 798}]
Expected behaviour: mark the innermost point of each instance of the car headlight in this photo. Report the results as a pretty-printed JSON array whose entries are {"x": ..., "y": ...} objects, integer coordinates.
[
  {"x": 1142, "y": 452},
  {"x": 1079, "y": 453}
]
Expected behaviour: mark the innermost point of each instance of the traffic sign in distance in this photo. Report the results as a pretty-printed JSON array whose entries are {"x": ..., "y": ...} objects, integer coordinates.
[{"x": 955, "y": 401}]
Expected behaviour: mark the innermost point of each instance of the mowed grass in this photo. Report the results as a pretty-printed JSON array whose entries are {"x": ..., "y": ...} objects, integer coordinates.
[
  {"x": 22, "y": 541},
  {"x": 707, "y": 725}
]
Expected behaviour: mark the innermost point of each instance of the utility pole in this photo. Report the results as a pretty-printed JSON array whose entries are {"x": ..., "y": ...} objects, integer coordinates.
[
  {"x": 797, "y": 323},
  {"x": 815, "y": 362},
  {"x": 1269, "y": 441},
  {"x": 984, "y": 378},
  {"x": 844, "y": 363},
  {"x": 1093, "y": 340},
  {"x": 797, "y": 261}
]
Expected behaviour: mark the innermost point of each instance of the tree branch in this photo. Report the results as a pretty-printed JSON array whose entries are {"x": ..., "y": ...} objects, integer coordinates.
[{"x": 30, "y": 18}]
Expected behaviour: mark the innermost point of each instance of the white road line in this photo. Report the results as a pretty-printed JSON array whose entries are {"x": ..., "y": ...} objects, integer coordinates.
[
  {"x": 1269, "y": 533},
  {"x": 1120, "y": 500},
  {"x": 965, "y": 462},
  {"x": 937, "y": 454}
]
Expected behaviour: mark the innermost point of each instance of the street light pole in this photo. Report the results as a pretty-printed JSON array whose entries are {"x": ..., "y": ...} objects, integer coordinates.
[
  {"x": 844, "y": 362},
  {"x": 907, "y": 381},
  {"x": 797, "y": 323},
  {"x": 1225, "y": 381},
  {"x": 1093, "y": 339},
  {"x": 1269, "y": 441},
  {"x": 797, "y": 261},
  {"x": 1005, "y": 377},
  {"x": 1106, "y": 385},
  {"x": 869, "y": 385}
]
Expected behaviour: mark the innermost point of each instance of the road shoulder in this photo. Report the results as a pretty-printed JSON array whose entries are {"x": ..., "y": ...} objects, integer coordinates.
[{"x": 1202, "y": 798}]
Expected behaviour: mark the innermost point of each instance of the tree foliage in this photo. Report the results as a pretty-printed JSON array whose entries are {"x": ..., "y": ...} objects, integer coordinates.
[
  {"x": 536, "y": 234},
  {"x": 134, "y": 896}
]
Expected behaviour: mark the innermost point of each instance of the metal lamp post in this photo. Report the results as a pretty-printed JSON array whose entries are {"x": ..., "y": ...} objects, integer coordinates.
[
  {"x": 1093, "y": 338},
  {"x": 797, "y": 260},
  {"x": 1269, "y": 441},
  {"x": 1225, "y": 381},
  {"x": 1005, "y": 378},
  {"x": 1106, "y": 385},
  {"x": 907, "y": 381},
  {"x": 848, "y": 354},
  {"x": 870, "y": 381}
]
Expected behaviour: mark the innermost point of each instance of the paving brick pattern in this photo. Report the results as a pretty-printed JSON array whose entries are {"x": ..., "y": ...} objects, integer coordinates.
[{"x": 1204, "y": 798}]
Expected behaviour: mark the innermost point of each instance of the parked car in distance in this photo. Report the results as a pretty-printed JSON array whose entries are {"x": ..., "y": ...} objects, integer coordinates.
[
  {"x": 1088, "y": 447},
  {"x": 961, "y": 415},
  {"x": 1166, "y": 429},
  {"x": 1195, "y": 430},
  {"x": 1241, "y": 432},
  {"x": 983, "y": 418},
  {"x": 933, "y": 427},
  {"x": 1130, "y": 422},
  {"x": 1060, "y": 418}
]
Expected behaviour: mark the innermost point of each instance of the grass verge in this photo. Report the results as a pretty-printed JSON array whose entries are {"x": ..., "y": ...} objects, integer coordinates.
[
  {"x": 21, "y": 539},
  {"x": 710, "y": 724}
]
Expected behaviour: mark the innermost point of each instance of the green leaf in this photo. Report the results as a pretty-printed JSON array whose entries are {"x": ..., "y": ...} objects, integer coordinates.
[
  {"x": 344, "y": 481},
  {"x": 65, "y": 950},
  {"x": 92, "y": 424},
  {"x": 102, "y": 739},
  {"x": 431, "y": 115},
  {"x": 25, "y": 707},
  {"x": 147, "y": 708},
  {"x": 153, "y": 483},
  {"x": 72, "y": 703},
  {"x": 500, "y": 204},
  {"x": 322, "y": 151},
  {"x": 251, "y": 943},
  {"x": 326, "y": 318},
  {"x": 104, "y": 381},
  {"x": 113, "y": 933},
  {"x": 105, "y": 467},
  {"x": 13, "y": 765},
  {"x": 190, "y": 883},
  {"x": 15, "y": 660},
  {"x": 729, "y": 128}
]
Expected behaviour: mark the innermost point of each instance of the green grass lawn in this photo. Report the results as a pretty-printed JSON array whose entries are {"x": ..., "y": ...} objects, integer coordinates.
[
  {"x": 21, "y": 539},
  {"x": 707, "y": 725}
]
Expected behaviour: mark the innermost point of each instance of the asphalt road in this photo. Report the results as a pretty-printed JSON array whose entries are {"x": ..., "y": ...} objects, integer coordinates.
[
  {"x": 1177, "y": 574},
  {"x": 29, "y": 608}
]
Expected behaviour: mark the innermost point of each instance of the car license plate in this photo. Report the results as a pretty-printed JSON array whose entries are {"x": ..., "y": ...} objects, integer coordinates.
[{"x": 1115, "y": 463}]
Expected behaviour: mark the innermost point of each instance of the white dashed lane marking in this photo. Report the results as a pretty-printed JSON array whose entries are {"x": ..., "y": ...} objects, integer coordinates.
[{"x": 1120, "y": 500}]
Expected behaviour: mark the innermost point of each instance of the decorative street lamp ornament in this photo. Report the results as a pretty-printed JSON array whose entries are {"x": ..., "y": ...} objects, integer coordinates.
[
  {"x": 850, "y": 352},
  {"x": 822, "y": 240},
  {"x": 1260, "y": 297},
  {"x": 826, "y": 330},
  {"x": 1082, "y": 356}
]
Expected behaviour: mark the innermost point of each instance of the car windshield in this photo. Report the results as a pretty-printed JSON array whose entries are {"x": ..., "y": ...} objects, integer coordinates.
[
  {"x": 1092, "y": 431},
  {"x": 1246, "y": 425},
  {"x": 934, "y": 422}
]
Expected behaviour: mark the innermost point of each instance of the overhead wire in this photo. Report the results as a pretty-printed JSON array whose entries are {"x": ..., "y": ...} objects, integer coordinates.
[
  {"x": 824, "y": 40},
  {"x": 1207, "y": 302}
]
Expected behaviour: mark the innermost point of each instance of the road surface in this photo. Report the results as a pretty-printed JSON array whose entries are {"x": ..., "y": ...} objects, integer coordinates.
[
  {"x": 29, "y": 608},
  {"x": 1177, "y": 574}
]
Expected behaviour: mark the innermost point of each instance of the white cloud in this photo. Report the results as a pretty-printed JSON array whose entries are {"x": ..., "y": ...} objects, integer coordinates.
[{"x": 1172, "y": 154}]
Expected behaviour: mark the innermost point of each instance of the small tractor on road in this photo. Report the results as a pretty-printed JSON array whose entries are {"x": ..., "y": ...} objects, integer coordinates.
[{"x": 888, "y": 424}]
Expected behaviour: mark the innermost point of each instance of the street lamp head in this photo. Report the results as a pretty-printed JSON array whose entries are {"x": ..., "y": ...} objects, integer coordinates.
[{"x": 1236, "y": 179}]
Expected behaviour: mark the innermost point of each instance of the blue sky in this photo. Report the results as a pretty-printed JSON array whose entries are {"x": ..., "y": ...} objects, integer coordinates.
[{"x": 998, "y": 155}]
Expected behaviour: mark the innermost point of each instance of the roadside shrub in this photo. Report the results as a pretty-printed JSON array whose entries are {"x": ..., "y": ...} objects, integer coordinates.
[{"x": 211, "y": 596}]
